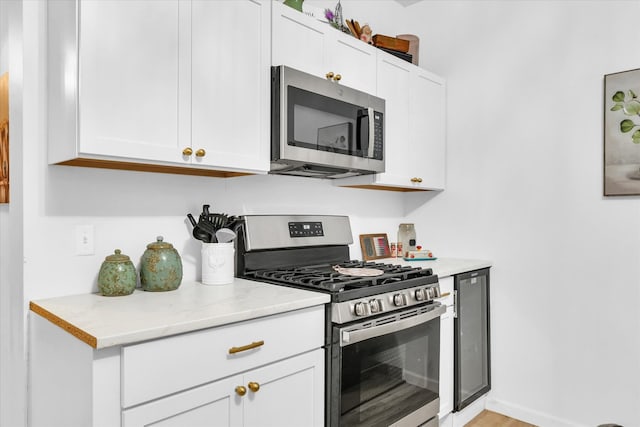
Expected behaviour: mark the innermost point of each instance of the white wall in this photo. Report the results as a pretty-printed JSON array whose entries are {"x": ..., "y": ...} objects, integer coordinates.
[
  {"x": 12, "y": 331},
  {"x": 524, "y": 190},
  {"x": 525, "y": 106}
]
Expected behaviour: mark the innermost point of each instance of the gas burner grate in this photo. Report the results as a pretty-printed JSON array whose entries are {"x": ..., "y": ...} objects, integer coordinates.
[{"x": 324, "y": 277}]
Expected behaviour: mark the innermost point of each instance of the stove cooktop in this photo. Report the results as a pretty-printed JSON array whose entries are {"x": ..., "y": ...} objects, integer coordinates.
[{"x": 343, "y": 287}]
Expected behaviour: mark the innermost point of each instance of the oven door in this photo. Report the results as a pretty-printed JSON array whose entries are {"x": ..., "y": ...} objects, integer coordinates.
[{"x": 386, "y": 371}]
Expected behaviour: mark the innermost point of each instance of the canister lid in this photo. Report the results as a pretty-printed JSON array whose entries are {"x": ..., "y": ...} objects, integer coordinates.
[
  {"x": 117, "y": 257},
  {"x": 159, "y": 244}
]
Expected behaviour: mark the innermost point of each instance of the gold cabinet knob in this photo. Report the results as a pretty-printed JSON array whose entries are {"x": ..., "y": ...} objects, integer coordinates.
[
  {"x": 253, "y": 386},
  {"x": 200, "y": 153},
  {"x": 419, "y": 179},
  {"x": 337, "y": 78},
  {"x": 329, "y": 75},
  {"x": 414, "y": 179},
  {"x": 241, "y": 390},
  {"x": 187, "y": 151}
]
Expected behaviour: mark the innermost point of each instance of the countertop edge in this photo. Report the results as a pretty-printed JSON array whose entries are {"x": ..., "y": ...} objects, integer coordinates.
[{"x": 60, "y": 322}]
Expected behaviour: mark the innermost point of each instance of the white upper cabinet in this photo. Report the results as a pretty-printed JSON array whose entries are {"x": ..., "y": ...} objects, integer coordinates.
[
  {"x": 174, "y": 84},
  {"x": 415, "y": 141},
  {"x": 427, "y": 129},
  {"x": 129, "y": 79},
  {"x": 231, "y": 81},
  {"x": 394, "y": 86},
  {"x": 307, "y": 44}
]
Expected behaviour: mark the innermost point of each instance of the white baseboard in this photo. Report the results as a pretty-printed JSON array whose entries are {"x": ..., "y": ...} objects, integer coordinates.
[{"x": 528, "y": 415}]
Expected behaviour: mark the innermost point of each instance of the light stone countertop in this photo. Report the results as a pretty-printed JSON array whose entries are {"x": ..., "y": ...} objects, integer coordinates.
[
  {"x": 443, "y": 267},
  {"x": 110, "y": 321}
]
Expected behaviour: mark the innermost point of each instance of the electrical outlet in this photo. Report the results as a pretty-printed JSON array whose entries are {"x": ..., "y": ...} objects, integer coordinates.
[{"x": 84, "y": 239}]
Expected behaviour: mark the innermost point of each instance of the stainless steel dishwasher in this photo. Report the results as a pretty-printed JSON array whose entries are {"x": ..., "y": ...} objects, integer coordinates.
[{"x": 472, "y": 356}]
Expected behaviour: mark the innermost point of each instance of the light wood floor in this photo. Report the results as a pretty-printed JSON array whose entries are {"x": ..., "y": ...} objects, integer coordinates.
[{"x": 493, "y": 419}]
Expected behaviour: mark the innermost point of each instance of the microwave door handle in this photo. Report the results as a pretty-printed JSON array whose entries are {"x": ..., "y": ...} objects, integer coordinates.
[
  {"x": 352, "y": 337},
  {"x": 372, "y": 133}
]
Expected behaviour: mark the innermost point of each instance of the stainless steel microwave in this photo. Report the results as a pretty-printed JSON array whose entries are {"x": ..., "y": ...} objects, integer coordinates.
[{"x": 322, "y": 129}]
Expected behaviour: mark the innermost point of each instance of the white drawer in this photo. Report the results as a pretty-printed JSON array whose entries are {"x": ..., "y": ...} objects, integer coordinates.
[{"x": 164, "y": 366}]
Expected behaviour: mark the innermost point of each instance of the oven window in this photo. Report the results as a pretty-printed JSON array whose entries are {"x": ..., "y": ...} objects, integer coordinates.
[
  {"x": 388, "y": 377},
  {"x": 326, "y": 124}
]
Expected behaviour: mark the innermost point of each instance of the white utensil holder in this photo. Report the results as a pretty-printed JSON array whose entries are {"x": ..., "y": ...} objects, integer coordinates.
[{"x": 217, "y": 263}]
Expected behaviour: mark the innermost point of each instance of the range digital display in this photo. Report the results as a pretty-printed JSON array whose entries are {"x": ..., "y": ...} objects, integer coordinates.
[{"x": 305, "y": 229}]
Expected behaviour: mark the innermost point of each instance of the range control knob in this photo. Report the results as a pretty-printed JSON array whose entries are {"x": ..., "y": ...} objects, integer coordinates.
[
  {"x": 419, "y": 294},
  {"x": 428, "y": 293},
  {"x": 436, "y": 291},
  {"x": 360, "y": 309},
  {"x": 375, "y": 306},
  {"x": 398, "y": 300}
]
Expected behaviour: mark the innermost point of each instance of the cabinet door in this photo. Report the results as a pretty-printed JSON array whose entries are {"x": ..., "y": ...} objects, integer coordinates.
[
  {"x": 215, "y": 405},
  {"x": 298, "y": 40},
  {"x": 353, "y": 60},
  {"x": 291, "y": 393},
  {"x": 130, "y": 78},
  {"x": 394, "y": 79},
  {"x": 446, "y": 347},
  {"x": 427, "y": 129},
  {"x": 446, "y": 362},
  {"x": 231, "y": 83}
]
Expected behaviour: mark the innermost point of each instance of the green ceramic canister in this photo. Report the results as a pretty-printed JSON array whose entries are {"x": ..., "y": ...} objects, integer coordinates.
[
  {"x": 161, "y": 267},
  {"x": 117, "y": 275}
]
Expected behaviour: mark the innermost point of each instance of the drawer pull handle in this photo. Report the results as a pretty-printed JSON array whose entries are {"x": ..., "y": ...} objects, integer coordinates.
[
  {"x": 256, "y": 344},
  {"x": 446, "y": 294},
  {"x": 241, "y": 390},
  {"x": 254, "y": 387}
]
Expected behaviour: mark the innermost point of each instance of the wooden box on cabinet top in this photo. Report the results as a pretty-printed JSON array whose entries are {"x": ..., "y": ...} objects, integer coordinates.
[{"x": 148, "y": 86}]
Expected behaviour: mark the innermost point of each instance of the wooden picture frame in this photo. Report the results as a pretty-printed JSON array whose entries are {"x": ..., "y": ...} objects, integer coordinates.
[
  {"x": 374, "y": 246},
  {"x": 4, "y": 138}
]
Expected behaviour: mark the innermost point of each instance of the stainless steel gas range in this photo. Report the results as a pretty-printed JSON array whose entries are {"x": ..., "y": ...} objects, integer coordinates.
[{"x": 382, "y": 325}]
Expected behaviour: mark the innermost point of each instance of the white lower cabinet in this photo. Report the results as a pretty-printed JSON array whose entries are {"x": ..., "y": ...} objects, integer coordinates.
[
  {"x": 286, "y": 393},
  {"x": 262, "y": 372}
]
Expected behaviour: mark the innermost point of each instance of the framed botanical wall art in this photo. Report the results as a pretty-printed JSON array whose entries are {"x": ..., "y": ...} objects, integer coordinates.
[
  {"x": 4, "y": 138},
  {"x": 622, "y": 133}
]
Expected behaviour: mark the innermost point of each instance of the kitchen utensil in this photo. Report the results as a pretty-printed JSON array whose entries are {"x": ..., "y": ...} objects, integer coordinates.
[
  {"x": 160, "y": 267},
  {"x": 117, "y": 275},
  {"x": 199, "y": 233},
  {"x": 209, "y": 228},
  {"x": 225, "y": 235},
  {"x": 358, "y": 271}
]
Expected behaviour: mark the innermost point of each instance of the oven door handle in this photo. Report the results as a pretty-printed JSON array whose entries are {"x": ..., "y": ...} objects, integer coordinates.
[{"x": 352, "y": 337}]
